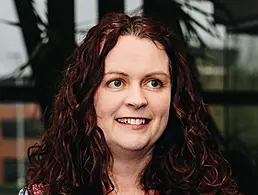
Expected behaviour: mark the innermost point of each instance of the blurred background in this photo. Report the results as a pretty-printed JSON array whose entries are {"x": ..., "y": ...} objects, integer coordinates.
[{"x": 220, "y": 39}]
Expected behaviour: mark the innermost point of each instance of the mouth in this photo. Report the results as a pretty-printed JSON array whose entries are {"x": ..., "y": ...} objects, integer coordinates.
[{"x": 133, "y": 120}]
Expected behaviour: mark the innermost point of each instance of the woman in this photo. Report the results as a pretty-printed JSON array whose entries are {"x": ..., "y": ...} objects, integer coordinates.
[{"x": 128, "y": 119}]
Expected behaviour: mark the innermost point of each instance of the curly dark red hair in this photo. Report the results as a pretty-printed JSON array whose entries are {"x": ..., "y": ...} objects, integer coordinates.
[{"x": 73, "y": 157}]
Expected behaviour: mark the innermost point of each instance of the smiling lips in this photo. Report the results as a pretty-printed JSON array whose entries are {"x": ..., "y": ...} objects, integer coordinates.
[{"x": 134, "y": 123}]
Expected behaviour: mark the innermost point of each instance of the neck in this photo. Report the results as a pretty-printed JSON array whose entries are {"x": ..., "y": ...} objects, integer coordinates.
[{"x": 126, "y": 171}]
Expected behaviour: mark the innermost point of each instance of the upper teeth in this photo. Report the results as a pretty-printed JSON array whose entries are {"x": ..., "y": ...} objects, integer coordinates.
[{"x": 132, "y": 121}]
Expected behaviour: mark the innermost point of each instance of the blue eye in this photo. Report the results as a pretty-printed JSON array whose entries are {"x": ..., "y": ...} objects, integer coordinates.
[
  {"x": 115, "y": 83},
  {"x": 155, "y": 83}
]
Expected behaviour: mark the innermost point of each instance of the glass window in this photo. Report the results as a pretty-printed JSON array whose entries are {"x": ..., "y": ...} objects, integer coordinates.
[
  {"x": 233, "y": 68},
  {"x": 10, "y": 170},
  {"x": 238, "y": 126},
  {"x": 32, "y": 128},
  {"x": 12, "y": 50}
]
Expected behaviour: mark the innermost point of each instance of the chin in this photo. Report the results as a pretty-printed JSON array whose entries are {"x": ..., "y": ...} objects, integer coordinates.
[{"x": 135, "y": 146}]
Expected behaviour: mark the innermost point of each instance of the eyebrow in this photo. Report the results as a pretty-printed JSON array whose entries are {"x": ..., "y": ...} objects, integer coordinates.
[{"x": 148, "y": 75}]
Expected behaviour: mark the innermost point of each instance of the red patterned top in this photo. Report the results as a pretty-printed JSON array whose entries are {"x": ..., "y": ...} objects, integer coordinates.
[{"x": 36, "y": 190}]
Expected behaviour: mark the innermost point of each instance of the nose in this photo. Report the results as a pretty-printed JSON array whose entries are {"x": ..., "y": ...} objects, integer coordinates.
[{"x": 135, "y": 98}]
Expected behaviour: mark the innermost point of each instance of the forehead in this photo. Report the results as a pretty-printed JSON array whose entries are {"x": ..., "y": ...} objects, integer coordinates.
[{"x": 133, "y": 52}]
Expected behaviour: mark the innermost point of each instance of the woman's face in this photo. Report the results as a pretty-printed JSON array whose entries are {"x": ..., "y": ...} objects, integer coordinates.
[{"x": 132, "y": 102}]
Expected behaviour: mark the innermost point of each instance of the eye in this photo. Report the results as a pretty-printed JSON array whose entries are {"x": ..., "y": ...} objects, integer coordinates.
[
  {"x": 115, "y": 83},
  {"x": 155, "y": 83}
]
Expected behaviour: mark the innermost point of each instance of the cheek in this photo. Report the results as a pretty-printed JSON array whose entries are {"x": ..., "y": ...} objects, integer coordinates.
[
  {"x": 99, "y": 104},
  {"x": 163, "y": 108},
  {"x": 163, "y": 105},
  {"x": 105, "y": 103}
]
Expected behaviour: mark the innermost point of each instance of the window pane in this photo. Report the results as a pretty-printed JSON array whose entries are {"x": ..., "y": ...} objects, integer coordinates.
[
  {"x": 12, "y": 50},
  {"x": 239, "y": 127},
  {"x": 240, "y": 142},
  {"x": 84, "y": 20},
  {"x": 32, "y": 128},
  {"x": 232, "y": 68},
  {"x": 10, "y": 170}
]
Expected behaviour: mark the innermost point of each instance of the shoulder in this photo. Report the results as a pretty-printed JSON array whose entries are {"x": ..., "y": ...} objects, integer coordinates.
[{"x": 37, "y": 189}]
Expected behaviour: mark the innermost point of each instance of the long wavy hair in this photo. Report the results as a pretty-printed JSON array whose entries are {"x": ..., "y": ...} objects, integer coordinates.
[{"x": 73, "y": 156}]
